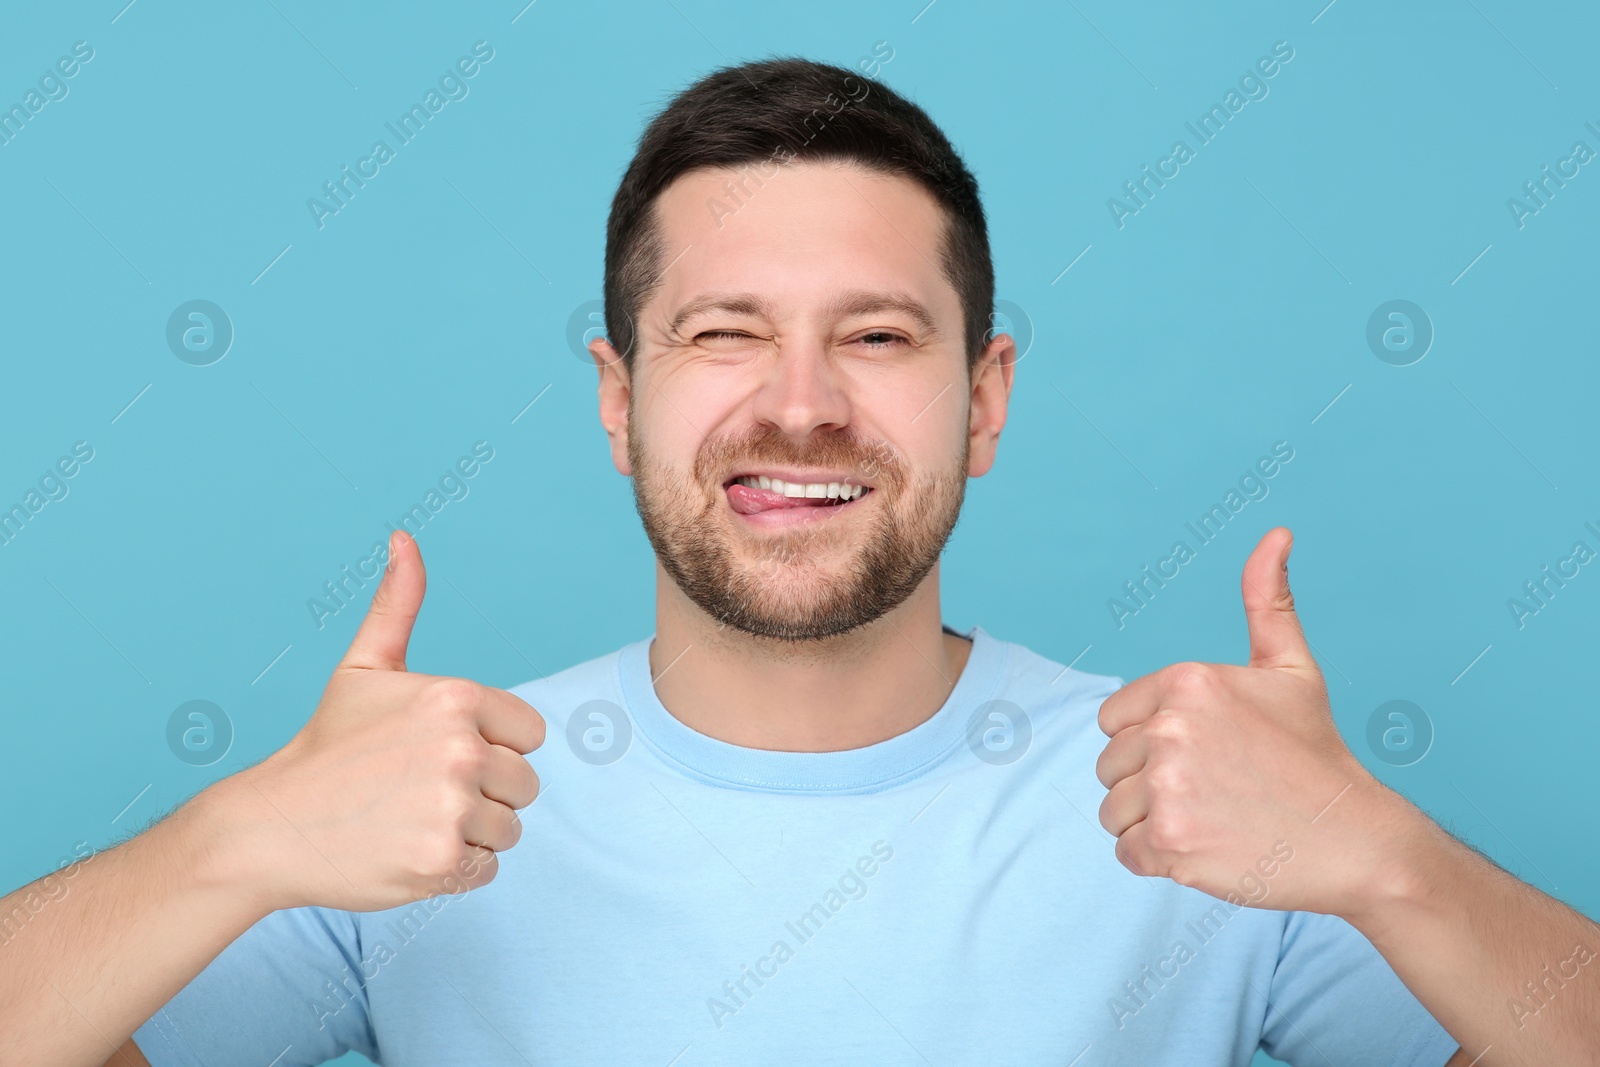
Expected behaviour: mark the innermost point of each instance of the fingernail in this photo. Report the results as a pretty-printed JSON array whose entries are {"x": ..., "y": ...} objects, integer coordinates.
[{"x": 389, "y": 569}]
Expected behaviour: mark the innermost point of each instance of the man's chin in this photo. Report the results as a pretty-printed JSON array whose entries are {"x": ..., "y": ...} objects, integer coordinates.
[
  {"x": 789, "y": 590},
  {"x": 772, "y": 622},
  {"x": 783, "y": 600}
]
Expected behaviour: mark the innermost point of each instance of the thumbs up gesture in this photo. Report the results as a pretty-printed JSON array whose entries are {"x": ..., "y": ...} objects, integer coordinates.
[
  {"x": 1234, "y": 780},
  {"x": 401, "y": 785}
]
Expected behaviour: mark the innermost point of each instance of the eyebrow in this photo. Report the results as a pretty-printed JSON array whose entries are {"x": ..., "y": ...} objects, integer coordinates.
[{"x": 854, "y": 302}]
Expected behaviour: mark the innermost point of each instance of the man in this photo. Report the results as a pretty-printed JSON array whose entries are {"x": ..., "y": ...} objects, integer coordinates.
[{"x": 804, "y": 821}]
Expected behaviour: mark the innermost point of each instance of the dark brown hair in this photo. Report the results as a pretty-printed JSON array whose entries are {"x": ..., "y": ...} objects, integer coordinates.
[{"x": 793, "y": 109}]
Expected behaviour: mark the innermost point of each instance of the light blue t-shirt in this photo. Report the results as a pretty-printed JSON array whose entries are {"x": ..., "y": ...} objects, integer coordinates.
[{"x": 943, "y": 897}]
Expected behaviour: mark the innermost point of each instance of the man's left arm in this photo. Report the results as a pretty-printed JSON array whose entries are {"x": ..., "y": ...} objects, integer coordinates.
[{"x": 1210, "y": 766}]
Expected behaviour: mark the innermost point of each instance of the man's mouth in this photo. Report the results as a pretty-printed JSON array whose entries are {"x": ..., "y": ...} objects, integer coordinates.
[{"x": 754, "y": 494}]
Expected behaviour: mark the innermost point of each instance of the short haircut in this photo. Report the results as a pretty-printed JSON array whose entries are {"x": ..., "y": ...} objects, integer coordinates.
[{"x": 803, "y": 110}]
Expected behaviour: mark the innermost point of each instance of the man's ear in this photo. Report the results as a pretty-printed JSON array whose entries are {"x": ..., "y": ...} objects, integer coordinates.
[
  {"x": 615, "y": 390},
  {"x": 991, "y": 389}
]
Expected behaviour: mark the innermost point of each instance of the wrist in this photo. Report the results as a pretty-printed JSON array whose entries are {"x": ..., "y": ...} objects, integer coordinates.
[
  {"x": 1406, "y": 865},
  {"x": 227, "y": 831}
]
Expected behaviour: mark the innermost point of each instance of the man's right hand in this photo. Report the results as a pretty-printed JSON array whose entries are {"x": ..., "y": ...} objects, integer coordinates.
[{"x": 401, "y": 785}]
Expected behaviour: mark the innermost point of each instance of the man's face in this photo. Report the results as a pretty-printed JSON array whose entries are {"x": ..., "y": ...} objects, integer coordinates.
[{"x": 774, "y": 347}]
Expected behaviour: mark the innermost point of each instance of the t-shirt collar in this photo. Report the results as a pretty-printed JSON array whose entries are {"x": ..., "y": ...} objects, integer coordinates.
[{"x": 859, "y": 770}]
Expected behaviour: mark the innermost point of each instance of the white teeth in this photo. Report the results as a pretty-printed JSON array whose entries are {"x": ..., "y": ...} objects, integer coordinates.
[{"x": 818, "y": 490}]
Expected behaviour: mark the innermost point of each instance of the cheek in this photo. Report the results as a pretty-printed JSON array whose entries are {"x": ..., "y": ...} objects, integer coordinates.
[
  {"x": 696, "y": 391},
  {"x": 925, "y": 417},
  {"x": 672, "y": 416}
]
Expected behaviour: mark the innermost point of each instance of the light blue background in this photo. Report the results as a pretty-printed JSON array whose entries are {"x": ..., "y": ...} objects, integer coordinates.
[{"x": 1223, "y": 317}]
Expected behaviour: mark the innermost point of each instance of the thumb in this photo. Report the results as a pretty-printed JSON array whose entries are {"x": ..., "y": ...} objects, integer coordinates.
[
  {"x": 1276, "y": 639},
  {"x": 380, "y": 643}
]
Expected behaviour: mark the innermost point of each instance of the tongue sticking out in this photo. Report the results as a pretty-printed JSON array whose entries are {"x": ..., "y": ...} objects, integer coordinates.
[{"x": 750, "y": 501}]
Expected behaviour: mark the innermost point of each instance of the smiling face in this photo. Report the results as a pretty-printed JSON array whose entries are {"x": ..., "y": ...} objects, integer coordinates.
[{"x": 803, "y": 332}]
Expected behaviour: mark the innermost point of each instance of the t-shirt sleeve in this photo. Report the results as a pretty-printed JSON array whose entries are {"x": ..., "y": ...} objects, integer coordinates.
[
  {"x": 1335, "y": 999},
  {"x": 289, "y": 991}
]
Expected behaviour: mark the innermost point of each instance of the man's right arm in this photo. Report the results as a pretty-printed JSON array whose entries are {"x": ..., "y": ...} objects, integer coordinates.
[
  {"x": 400, "y": 787},
  {"x": 133, "y": 926}
]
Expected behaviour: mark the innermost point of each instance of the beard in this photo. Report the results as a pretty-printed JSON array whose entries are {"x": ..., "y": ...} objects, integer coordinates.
[{"x": 807, "y": 582}]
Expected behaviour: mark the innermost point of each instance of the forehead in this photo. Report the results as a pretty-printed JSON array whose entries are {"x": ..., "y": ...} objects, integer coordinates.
[{"x": 800, "y": 233}]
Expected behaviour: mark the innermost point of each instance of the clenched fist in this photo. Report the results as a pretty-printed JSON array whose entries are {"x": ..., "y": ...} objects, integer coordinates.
[
  {"x": 401, "y": 785},
  {"x": 1235, "y": 781}
]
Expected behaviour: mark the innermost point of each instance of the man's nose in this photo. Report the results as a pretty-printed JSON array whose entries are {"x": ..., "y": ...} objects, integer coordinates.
[{"x": 802, "y": 388}]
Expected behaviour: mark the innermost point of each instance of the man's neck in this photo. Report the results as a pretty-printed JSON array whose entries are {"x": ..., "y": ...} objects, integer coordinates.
[{"x": 849, "y": 691}]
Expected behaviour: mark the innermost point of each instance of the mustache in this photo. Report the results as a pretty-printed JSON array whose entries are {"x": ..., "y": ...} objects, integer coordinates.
[{"x": 876, "y": 461}]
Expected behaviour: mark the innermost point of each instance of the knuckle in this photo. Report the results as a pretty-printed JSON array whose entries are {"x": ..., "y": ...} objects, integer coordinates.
[
  {"x": 1166, "y": 830},
  {"x": 457, "y": 695},
  {"x": 1168, "y": 781},
  {"x": 454, "y": 809},
  {"x": 1167, "y": 728},
  {"x": 464, "y": 756},
  {"x": 1191, "y": 679},
  {"x": 436, "y": 858}
]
